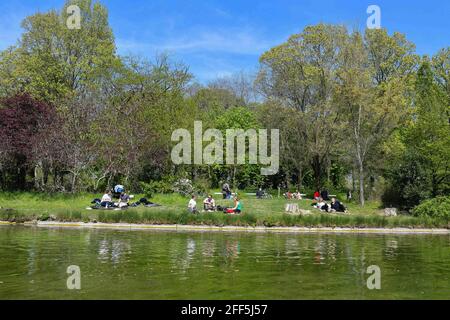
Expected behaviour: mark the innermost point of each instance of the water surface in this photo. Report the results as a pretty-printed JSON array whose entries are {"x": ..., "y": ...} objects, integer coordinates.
[{"x": 170, "y": 265}]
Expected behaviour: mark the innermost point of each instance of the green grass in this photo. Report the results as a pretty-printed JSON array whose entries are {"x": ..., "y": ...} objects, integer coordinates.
[{"x": 72, "y": 208}]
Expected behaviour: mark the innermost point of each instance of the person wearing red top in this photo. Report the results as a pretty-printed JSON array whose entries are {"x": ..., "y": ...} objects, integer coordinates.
[{"x": 317, "y": 195}]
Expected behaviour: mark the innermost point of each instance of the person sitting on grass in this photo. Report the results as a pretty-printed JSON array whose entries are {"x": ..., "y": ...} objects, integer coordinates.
[
  {"x": 297, "y": 195},
  {"x": 123, "y": 200},
  {"x": 237, "y": 206},
  {"x": 192, "y": 205},
  {"x": 106, "y": 200},
  {"x": 209, "y": 204},
  {"x": 317, "y": 195},
  {"x": 288, "y": 195}
]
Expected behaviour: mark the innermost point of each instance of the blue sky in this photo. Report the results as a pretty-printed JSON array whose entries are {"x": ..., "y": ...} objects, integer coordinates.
[{"x": 218, "y": 38}]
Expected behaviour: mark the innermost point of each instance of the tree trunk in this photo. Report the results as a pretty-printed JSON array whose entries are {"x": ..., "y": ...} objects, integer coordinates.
[
  {"x": 74, "y": 181},
  {"x": 300, "y": 179},
  {"x": 361, "y": 184},
  {"x": 353, "y": 179},
  {"x": 317, "y": 168}
]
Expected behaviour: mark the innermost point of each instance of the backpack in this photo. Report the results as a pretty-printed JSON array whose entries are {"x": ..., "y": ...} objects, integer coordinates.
[{"x": 119, "y": 189}]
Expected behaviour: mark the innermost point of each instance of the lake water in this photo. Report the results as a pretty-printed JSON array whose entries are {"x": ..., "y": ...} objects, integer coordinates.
[{"x": 170, "y": 265}]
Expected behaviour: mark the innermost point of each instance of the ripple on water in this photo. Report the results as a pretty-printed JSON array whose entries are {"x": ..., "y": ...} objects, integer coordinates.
[{"x": 165, "y": 265}]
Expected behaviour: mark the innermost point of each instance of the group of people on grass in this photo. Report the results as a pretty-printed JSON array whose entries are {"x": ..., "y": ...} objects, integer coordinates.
[
  {"x": 332, "y": 207},
  {"x": 293, "y": 196},
  {"x": 209, "y": 205},
  {"x": 118, "y": 199},
  {"x": 119, "y": 194}
]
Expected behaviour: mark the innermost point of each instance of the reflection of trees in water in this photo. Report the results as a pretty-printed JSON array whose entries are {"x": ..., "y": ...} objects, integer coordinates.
[
  {"x": 292, "y": 247},
  {"x": 208, "y": 248},
  {"x": 334, "y": 265},
  {"x": 182, "y": 252},
  {"x": 189, "y": 255},
  {"x": 318, "y": 252},
  {"x": 113, "y": 250},
  {"x": 231, "y": 251},
  {"x": 31, "y": 259}
]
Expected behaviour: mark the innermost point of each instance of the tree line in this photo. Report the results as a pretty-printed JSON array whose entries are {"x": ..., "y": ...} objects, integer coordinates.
[{"x": 356, "y": 111}]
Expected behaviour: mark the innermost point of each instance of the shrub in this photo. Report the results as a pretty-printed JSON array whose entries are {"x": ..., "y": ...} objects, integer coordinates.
[
  {"x": 183, "y": 187},
  {"x": 154, "y": 187},
  {"x": 186, "y": 188},
  {"x": 437, "y": 208}
]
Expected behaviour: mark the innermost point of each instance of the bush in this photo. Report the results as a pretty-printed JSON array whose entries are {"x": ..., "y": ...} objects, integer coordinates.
[
  {"x": 186, "y": 188},
  {"x": 437, "y": 208},
  {"x": 154, "y": 187}
]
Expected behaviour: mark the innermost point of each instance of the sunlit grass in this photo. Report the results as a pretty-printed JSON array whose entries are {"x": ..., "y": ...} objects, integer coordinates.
[{"x": 270, "y": 213}]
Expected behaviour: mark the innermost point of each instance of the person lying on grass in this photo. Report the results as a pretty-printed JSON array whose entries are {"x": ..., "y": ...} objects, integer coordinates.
[
  {"x": 336, "y": 206},
  {"x": 322, "y": 205}
]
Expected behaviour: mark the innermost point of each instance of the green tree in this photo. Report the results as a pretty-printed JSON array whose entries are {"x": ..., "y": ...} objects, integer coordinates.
[
  {"x": 419, "y": 167},
  {"x": 429, "y": 137},
  {"x": 53, "y": 62},
  {"x": 300, "y": 74},
  {"x": 239, "y": 118},
  {"x": 373, "y": 83}
]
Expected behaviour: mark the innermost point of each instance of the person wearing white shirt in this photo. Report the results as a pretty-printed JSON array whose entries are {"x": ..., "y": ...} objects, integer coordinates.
[
  {"x": 106, "y": 199},
  {"x": 192, "y": 206},
  {"x": 322, "y": 205}
]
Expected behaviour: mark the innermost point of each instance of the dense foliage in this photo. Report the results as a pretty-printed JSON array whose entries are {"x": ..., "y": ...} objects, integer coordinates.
[
  {"x": 437, "y": 208},
  {"x": 356, "y": 111}
]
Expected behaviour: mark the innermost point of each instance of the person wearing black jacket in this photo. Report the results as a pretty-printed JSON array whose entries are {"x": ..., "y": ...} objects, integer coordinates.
[
  {"x": 325, "y": 195},
  {"x": 336, "y": 205}
]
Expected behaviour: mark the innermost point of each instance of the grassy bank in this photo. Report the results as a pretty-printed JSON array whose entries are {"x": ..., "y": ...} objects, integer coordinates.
[{"x": 270, "y": 213}]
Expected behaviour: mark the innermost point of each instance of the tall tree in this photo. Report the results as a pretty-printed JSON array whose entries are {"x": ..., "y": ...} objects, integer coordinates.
[
  {"x": 53, "y": 62},
  {"x": 301, "y": 75},
  {"x": 429, "y": 136},
  {"x": 373, "y": 83},
  {"x": 23, "y": 123}
]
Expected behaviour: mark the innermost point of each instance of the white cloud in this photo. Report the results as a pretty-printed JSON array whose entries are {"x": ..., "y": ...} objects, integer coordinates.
[{"x": 235, "y": 41}]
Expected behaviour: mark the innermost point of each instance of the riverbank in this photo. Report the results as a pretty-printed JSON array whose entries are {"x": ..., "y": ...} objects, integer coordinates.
[
  {"x": 126, "y": 226},
  {"x": 257, "y": 213},
  {"x": 163, "y": 217}
]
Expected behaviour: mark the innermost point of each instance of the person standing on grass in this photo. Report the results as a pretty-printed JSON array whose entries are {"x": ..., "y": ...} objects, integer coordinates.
[
  {"x": 192, "y": 205},
  {"x": 349, "y": 195},
  {"x": 259, "y": 194},
  {"x": 226, "y": 191}
]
